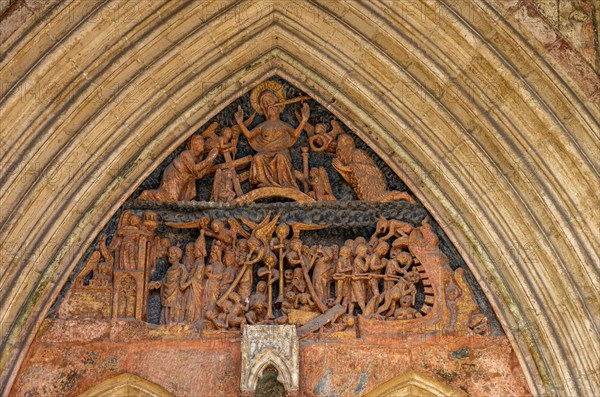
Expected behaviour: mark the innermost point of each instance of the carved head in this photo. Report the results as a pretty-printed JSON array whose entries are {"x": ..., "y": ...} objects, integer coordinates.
[
  {"x": 217, "y": 225},
  {"x": 320, "y": 128},
  {"x": 210, "y": 315},
  {"x": 406, "y": 301},
  {"x": 404, "y": 258},
  {"x": 267, "y": 100},
  {"x": 283, "y": 230},
  {"x": 228, "y": 175},
  {"x": 382, "y": 225},
  {"x": 253, "y": 244},
  {"x": 382, "y": 248},
  {"x": 373, "y": 240},
  {"x": 296, "y": 244},
  {"x": 189, "y": 249},
  {"x": 134, "y": 220},
  {"x": 227, "y": 306},
  {"x": 289, "y": 295},
  {"x": 270, "y": 260},
  {"x": 361, "y": 250},
  {"x": 261, "y": 287},
  {"x": 174, "y": 255},
  {"x": 452, "y": 292},
  {"x": 360, "y": 240},
  {"x": 288, "y": 275},
  {"x": 242, "y": 245},
  {"x": 215, "y": 251},
  {"x": 344, "y": 252},
  {"x": 165, "y": 242},
  {"x": 413, "y": 277},
  {"x": 303, "y": 298},
  {"x": 227, "y": 133},
  {"x": 298, "y": 274},
  {"x": 197, "y": 144}
]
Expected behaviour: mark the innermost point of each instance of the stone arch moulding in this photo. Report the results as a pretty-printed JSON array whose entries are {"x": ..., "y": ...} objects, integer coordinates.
[
  {"x": 262, "y": 363},
  {"x": 413, "y": 384},
  {"x": 125, "y": 385},
  {"x": 554, "y": 343}
]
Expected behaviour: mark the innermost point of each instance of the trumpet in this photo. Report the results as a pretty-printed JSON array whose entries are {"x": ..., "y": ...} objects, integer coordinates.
[{"x": 293, "y": 100}]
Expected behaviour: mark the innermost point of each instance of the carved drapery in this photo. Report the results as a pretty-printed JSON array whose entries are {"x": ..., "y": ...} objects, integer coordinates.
[
  {"x": 350, "y": 256},
  {"x": 537, "y": 102}
]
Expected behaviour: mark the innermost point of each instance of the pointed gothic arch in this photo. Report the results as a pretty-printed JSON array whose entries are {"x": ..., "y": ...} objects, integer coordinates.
[
  {"x": 263, "y": 362},
  {"x": 503, "y": 233},
  {"x": 412, "y": 384},
  {"x": 125, "y": 385}
]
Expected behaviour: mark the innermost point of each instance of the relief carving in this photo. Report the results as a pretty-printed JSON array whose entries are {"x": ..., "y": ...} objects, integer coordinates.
[
  {"x": 179, "y": 178},
  {"x": 263, "y": 274},
  {"x": 270, "y": 170},
  {"x": 224, "y": 267}
]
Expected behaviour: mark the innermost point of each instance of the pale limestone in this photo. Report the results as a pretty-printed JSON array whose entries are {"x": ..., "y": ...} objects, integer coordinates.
[
  {"x": 275, "y": 345},
  {"x": 532, "y": 243}
]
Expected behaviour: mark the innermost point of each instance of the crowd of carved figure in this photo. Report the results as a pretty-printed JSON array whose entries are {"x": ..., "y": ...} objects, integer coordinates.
[
  {"x": 377, "y": 277},
  {"x": 240, "y": 272},
  {"x": 269, "y": 171}
]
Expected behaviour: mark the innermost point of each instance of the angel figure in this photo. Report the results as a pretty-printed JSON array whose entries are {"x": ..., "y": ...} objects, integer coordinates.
[
  {"x": 100, "y": 264},
  {"x": 224, "y": 186},
  {"x": 258, "y": 249},
  {"x": 319, "y": 183},
  {"x": 319, "y": 139},
  {"x": 226, "y": 141}
]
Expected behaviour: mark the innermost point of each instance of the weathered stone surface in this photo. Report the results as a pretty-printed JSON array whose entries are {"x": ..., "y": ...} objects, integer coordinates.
[
  {"x": 85, "y": 114},
  {"x": 209, "y": 367}
]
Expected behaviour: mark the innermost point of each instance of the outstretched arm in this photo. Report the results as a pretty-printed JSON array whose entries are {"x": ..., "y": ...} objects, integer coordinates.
[
  {"x": 201, "y": 168},
  {"x": 305, "y": 114},
  {"x": 308, "y": 127},
  {"x": 239, "y": 118}
]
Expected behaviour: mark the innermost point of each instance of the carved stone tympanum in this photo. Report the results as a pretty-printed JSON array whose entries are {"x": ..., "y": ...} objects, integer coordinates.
[
  {"x": 270, "y": 171},
  {"x": 277, "y": 227},
  {"x": 222, "y": 271}
]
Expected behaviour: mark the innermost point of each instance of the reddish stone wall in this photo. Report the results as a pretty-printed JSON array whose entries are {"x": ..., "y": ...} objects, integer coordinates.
[{"x": 66, "y": 360}]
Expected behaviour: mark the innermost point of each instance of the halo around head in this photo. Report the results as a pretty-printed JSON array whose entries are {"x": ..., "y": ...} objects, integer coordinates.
[{"x": 268, "y": 85}]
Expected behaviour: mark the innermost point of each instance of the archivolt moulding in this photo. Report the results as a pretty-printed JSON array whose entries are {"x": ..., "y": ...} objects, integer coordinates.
[
  {"x": 413, "y": 384},
  {"x": 126, "y": 385}
]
